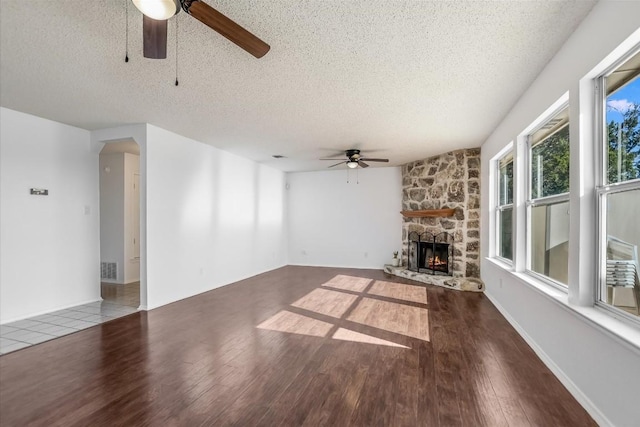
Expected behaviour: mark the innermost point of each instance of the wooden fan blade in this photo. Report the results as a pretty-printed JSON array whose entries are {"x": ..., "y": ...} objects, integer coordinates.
[
  {"x": 362, "y": 164},
  {"x": 225, "y": 26},
  {"x": 341, "y": 163},
  {"x": 375, "y": 160},
  {"x": 154, "y": 38}
]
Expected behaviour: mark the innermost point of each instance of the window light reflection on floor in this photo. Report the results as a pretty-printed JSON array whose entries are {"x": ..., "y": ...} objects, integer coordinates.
[
  {"x": 350, "y": 301},
  {"x": 329, "y": 303},
  {"x": 286, "y": 321},
  {"x": 399, "y": 291},
  {"x": 349, "y": 335},
  {"x": 349, "y": 283}
]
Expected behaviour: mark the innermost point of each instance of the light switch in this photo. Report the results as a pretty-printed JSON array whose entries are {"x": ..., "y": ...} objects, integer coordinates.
[{"x": 38, "y": 191}]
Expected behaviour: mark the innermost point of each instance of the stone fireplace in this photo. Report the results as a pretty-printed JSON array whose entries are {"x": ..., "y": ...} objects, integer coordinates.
[{"x": 441, "y": 207}]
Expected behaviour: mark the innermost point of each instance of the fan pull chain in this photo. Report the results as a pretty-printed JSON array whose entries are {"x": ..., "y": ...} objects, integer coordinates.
[
  {"x": 176, "y": 19},
  {"x": 357, "y": 178},
  {"x": 126, "y": 48}
]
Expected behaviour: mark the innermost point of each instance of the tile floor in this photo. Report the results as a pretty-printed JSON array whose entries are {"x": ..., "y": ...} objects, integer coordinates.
[{"x": 27, "y": 332}]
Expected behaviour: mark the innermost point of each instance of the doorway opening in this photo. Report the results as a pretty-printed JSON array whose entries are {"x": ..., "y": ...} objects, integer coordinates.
[{"x": 120, "y": 223}]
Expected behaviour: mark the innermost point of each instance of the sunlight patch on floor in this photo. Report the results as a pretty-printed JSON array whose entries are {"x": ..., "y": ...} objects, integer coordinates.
[
  {"x": 353, "y": 336},
  {"x": 286, "y": 321},
  {"x": 395, "y": 317},
  {"x": 329, "y": 303},
  {"x": 399, "y": 291},
  {"x": 392, "y": 317},
  {"x": 348, "y": 283}
]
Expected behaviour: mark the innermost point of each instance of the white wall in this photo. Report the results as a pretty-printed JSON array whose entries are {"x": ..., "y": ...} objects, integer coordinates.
[
  {"x": 131, "y": 221},
  {"x": 213, "y": 218},
  {"x": 49, "y": 250},
  {"x": 601, "y": 370},
  {"x": 112, "y": 212},
  {"x": 209, "y": 218},
  {"x": 339, "y": 224}
]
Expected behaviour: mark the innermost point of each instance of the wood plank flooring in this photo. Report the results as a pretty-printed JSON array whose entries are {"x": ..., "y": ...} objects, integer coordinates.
[
  {"x": 128, "y": 294},
  {"x": 295, "y": 346}
]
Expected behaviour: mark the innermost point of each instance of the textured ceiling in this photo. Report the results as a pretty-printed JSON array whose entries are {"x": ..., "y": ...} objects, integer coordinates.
[{"x": 399, "y": 79}]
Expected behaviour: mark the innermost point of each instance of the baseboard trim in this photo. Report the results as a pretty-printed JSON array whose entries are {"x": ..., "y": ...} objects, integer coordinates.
[
  {"x": 40, "y": 313},
  {"x": 199, "y": 292},
  {"x": 575, "y": 391},
  {"x": 374, "y": 267}
]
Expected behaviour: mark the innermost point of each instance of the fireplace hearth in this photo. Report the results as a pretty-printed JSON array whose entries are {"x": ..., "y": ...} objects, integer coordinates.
[{"x": 430, "y": 253}]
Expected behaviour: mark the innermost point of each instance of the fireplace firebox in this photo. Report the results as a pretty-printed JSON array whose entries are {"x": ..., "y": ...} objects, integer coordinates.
[{"x": 430, "y": 253}]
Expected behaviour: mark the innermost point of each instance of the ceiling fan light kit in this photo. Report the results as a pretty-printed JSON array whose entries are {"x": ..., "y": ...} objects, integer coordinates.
[
  {"x": 354, "y": 159},
  {"x": 158, "y": 9}
]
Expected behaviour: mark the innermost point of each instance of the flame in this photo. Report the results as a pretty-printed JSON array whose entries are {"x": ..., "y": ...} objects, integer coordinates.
[{"x": 436, "y": 262}]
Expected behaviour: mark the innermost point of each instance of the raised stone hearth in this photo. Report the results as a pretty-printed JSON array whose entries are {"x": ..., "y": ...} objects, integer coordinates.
[
  {"x": 447, "y": 181},
  {"x": 471, "y": 284}
]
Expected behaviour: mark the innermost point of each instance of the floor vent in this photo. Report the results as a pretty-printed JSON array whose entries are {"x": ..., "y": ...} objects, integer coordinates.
[{"x": 109, "y": 270}]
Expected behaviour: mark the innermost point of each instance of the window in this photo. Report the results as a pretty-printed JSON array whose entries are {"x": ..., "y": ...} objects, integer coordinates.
[
  {"x": 548, "y": 199},
  {"x": 619, "y": 186},
  {"x": 504, "y": 209},
  {"x": 531, "y": 194}
]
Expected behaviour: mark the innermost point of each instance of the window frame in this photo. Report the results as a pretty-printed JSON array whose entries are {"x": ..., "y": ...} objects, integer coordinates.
[
  {"x": 604, "y": 189},
  {"x": 530, "y": 203},
  {"x": 500, "y": 208}
]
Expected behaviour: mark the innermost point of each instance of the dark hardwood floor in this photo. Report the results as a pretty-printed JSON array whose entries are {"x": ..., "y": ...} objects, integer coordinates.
[
  {"x": 281, "y": 349},
  {"x": 127, "y": 294}
]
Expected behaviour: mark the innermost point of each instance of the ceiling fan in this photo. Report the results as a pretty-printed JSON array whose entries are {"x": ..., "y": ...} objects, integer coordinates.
[
  {"x": 157, "y": 12},
  {"x": 354, "y": 159}
]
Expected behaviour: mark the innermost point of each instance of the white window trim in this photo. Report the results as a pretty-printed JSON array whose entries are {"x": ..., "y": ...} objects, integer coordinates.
[
  {"x": 604, "y": 189},
  {"x": 507, "y": 151},
  {"x": 558, "y": 106}
]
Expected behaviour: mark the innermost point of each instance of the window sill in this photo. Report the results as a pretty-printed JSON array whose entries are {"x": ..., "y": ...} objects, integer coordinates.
[
  {"x": 608, "y": 322},
  {"x": 502, "y": 263}
]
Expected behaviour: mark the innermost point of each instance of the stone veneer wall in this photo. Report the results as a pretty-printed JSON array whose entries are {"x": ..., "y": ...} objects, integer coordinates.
[{"x": 450, "y": 180}]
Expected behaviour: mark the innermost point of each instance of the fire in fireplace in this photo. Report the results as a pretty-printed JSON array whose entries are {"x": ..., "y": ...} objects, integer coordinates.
[
  {"x": 434, "y": 256},
  {"x": 430, "y": 253}
]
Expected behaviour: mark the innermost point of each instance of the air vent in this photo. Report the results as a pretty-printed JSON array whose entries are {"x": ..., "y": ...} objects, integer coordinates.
[{"x": 109, "y": 270}]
